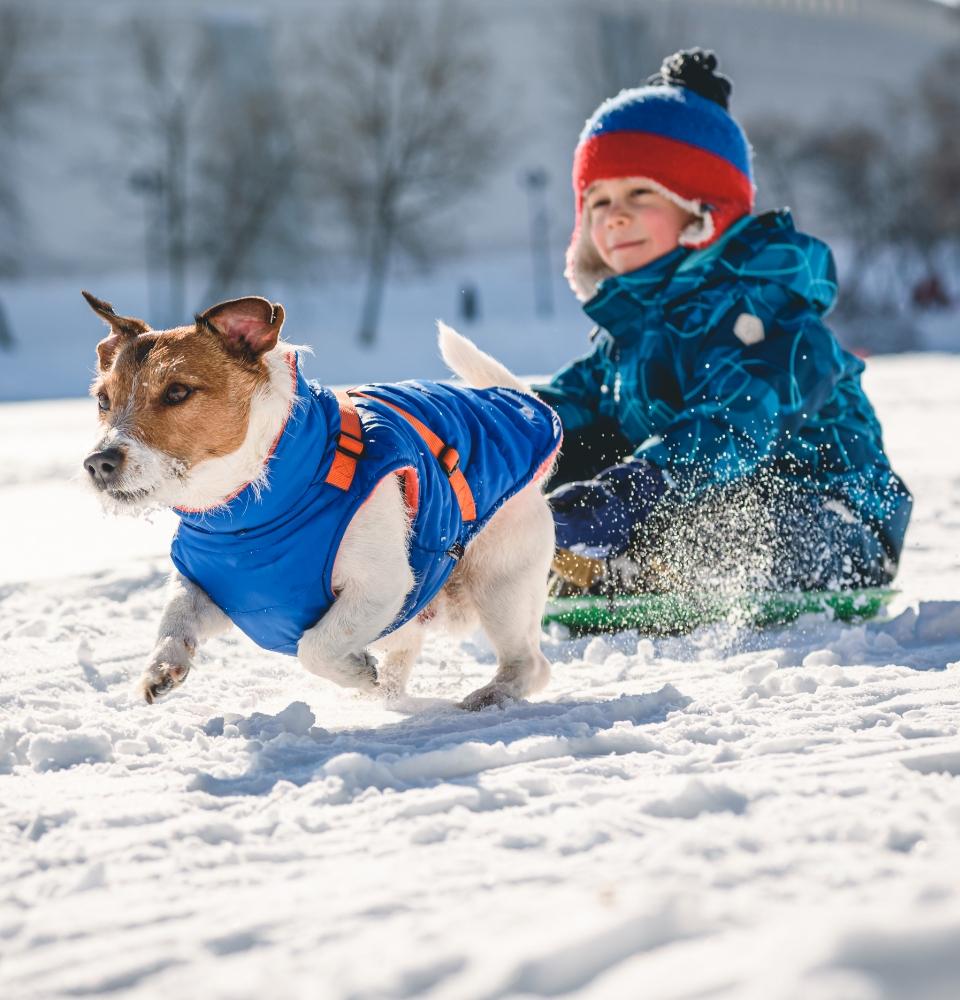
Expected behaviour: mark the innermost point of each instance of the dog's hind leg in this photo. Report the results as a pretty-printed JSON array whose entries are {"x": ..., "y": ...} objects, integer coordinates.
[
  {"x": 188, "y": 618},
  {"x": 371, "y": 578},
  {"x": 507, "y": 578},
  {"x": 398, "y": 653}
]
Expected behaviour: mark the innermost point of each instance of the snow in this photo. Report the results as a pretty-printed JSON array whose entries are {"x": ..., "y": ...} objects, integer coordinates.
[{"x": 727, "y": 814}]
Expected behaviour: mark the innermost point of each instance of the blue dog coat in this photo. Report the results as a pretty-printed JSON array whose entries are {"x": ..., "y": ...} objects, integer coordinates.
[{"x": 266, "y": 555}]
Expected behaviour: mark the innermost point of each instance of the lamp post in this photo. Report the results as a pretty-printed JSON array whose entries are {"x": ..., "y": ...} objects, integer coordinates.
[{"x": 535, "y": 181}]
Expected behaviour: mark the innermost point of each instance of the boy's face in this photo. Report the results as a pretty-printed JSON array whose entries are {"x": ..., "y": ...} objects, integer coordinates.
[{"x": 631, "y": 224}]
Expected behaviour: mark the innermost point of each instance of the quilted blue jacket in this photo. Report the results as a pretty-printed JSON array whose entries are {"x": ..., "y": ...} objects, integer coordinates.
[
  {"x": 716, "y": 365},
  {"x": 266, "y": 557}
]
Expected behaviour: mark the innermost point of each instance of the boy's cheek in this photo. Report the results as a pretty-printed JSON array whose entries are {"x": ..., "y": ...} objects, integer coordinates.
[{"x": 597, "y": 237}]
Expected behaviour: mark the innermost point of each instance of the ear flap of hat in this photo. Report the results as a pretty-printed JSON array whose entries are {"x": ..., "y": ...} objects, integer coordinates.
[
  {"x": 700, "y": 232},
  {"x": 585, "y": 268}
]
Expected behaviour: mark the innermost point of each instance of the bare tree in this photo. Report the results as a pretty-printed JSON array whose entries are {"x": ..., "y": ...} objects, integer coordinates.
[
  {"x": 250, "y": 191},
  {"x": 894, "y": 192},
  {"x": 221, "y": 165},
  {"x": 24, "y": 84},
  {"x": 857, "y": 175},
  {"x": 162, "y": 122},
  {"x": 777, "y": 145},
  {"x": 248, "y": 180},
  {"x": 401, "y": 132},
  {"x": 931, "y": 220}
]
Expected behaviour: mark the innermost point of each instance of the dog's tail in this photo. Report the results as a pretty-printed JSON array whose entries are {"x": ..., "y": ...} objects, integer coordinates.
[{"x": 475, "y": 367}]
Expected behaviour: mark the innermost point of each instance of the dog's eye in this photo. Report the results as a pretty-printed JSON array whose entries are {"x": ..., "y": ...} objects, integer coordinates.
[
  {"x": 103, "y": 401},
  {"x": 176, "y": 393}
]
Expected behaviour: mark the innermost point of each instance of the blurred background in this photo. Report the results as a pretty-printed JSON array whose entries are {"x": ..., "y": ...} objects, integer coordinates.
[{"x": 376, "y": 165}]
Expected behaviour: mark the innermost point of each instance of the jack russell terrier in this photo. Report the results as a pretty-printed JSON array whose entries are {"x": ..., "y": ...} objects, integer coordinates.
[{"x": 324, "y": 524}]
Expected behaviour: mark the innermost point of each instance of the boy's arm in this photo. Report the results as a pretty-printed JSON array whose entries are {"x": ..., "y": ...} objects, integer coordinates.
[
  {"x": 743, "y": 398},
  {"x": 574, "y": 392}
]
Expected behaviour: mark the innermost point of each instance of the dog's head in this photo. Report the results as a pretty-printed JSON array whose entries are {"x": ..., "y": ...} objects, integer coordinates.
[{"x": 175, "y": 405}]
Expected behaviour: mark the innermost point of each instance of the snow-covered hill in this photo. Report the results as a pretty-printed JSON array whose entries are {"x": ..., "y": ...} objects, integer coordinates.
[{"x": 770, "y": 815}]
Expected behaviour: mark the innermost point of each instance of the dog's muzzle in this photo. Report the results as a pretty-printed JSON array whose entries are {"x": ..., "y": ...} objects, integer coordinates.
[{"x": 104, "y": 467}]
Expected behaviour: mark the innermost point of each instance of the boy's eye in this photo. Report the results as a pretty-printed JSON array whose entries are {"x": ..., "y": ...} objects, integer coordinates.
[
  {"x": 599, "y": 202},
  {"x": 637, "y": 192},
  {"x": 103, "y": 401}
]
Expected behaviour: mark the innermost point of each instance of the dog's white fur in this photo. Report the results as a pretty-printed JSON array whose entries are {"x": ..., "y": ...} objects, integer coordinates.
[
  {"x": 213, "y": 480},
  {"x": 500, "y": 581}
]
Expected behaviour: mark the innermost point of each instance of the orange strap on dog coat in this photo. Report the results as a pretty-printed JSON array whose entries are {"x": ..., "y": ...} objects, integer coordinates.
[
  {"x": 350, "y": 448},
  {"x": 349, "y": 445}
]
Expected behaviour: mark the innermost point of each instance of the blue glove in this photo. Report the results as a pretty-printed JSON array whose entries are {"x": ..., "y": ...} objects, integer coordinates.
[{"x": 598, "y": 517}]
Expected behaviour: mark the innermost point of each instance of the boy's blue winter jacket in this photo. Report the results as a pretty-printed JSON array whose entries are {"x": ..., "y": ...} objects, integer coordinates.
[
  {"x": 717, "y": 365},
  {"x": 266, "y": 557}
]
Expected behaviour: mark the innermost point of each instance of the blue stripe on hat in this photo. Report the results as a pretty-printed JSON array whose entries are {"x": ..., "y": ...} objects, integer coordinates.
[{"x": 674, "y": 113}]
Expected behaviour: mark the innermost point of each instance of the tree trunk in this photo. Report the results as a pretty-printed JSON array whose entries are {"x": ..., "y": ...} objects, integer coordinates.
[
  {"x": 177, "y": 213},
  {"x": 377, "y": 267}
]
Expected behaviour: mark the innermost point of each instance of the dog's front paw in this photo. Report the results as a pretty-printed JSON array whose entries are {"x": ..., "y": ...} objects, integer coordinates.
[
  {"x": 161, "y": 678},
  {"x": 357, "y": 670},
  {"x": 352, "y": 670},
  {"x": 168, "y": 667}
]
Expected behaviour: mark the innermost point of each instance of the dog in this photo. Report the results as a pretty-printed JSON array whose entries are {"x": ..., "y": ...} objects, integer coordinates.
[{"x": 334, "y": 529}]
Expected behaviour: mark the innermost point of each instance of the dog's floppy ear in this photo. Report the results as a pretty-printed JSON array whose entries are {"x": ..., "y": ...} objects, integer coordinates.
[
  {"x": 249, "y": 326},
  {"x": 121, "y": 327}
]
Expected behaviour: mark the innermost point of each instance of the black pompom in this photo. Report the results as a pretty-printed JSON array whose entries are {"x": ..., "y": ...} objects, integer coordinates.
[{"x": 695, "y": 69}]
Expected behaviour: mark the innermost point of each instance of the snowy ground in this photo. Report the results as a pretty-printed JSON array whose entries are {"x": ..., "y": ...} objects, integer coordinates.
[{"x": 726, "y": 815}]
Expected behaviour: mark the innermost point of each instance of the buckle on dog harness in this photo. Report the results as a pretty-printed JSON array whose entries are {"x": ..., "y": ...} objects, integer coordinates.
[
  {"x": 449, "y": 460},
  {"x": 349, "y": 447},
  {"x": 447, "y": 456}
]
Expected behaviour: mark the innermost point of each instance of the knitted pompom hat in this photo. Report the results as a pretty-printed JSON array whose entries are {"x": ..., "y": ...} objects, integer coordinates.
[{"x": 676, "y": 133}]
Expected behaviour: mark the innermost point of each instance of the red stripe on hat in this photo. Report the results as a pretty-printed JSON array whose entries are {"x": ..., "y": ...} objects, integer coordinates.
[{"x": 692, "y": 173}]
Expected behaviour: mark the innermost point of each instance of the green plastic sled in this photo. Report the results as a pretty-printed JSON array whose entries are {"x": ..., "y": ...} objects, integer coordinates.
[{"x": 674, "y": 614}]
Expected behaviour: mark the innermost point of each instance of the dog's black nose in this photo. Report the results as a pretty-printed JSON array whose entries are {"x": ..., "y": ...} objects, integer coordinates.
[{"x": 104, "y": 466}]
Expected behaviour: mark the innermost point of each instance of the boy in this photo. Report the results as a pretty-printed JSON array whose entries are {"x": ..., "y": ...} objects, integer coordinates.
[{"x": 717, "y": 434}]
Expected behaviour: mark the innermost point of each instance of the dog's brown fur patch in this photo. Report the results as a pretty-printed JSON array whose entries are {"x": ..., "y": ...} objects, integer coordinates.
[{"x": 210, "y": 423}]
